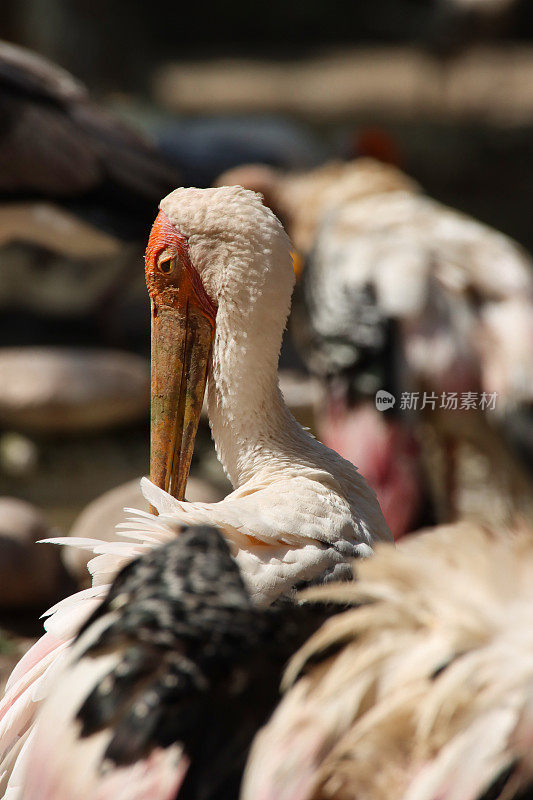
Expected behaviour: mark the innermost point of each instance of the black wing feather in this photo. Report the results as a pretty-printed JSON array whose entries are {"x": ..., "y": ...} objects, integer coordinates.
[{"x": 200, "y": 665}]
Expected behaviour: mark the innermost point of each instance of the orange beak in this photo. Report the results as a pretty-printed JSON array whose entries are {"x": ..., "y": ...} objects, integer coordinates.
[{"x": 183, "y": 325}]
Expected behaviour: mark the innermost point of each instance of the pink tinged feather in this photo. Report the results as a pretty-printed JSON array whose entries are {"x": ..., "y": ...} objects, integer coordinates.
[
  {"x": 18, "y": 771},
  {"x": 466, "y": 767},
  {"x": 29, "y": 681},
  {"x": 22, "y": 690},
  {"x": 61, "y": 765},
  {"x": 18, "y": 710},
  {"x": 40, "y": 650},
  {"x": 77, "y": 597},
  {"x": 287, "y": 769},
  {"x": 158, "y": 777}
]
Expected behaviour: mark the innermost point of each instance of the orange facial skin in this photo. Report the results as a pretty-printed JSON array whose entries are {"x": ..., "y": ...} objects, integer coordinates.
[
  {"x": 183, "y": 326},
  {"x": 167, "y": 288}
]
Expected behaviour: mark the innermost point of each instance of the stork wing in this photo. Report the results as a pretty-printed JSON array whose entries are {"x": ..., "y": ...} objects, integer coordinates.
[{"x": 166, "y": 684}]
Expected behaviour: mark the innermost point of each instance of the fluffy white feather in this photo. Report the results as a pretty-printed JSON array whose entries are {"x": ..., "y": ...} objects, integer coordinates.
[{"x": 430, "y": 694}]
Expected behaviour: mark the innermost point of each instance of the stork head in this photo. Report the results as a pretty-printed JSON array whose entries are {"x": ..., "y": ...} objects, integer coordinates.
[
  {"x": 215, "y": 256},
  {"x": 233, "y": 240}
]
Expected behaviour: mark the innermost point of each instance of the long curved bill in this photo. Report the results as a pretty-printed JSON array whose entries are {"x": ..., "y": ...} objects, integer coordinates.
[
  {"x": 183, "y": 324},
  {"x": 181, "y": 345}
]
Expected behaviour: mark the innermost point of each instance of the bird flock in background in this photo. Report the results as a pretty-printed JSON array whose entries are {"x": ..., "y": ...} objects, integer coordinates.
[{"x": 275, "y": 645}]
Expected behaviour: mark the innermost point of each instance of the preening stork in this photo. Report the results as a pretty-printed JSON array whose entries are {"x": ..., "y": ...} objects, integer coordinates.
[
  {"x": 220, "y": 278},
  {"x": 423, "y": 691}
]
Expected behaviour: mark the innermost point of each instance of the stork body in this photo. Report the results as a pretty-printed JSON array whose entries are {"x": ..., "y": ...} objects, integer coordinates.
[
  {"x": 409, "y": 691},
  {"x": 299, "y": 512}
]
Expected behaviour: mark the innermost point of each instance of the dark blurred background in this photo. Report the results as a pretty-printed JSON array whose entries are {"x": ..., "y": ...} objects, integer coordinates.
[{"x": 450, "y": 79}]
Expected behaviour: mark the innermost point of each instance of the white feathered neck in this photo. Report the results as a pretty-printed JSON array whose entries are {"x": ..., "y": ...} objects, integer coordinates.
[{"x": 242, "y": 255}]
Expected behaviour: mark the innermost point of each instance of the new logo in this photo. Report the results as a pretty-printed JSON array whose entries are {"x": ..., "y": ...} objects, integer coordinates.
[{"x": 384, "y": 400}]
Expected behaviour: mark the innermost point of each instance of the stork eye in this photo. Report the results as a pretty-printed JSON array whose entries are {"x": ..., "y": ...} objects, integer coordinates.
[{"x": 166, "y": 265}]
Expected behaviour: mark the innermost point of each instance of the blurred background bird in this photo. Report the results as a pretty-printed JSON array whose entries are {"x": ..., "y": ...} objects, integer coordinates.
[
  {"x": 423, "y": 689},
  {"x": 77, "y": 191}
]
